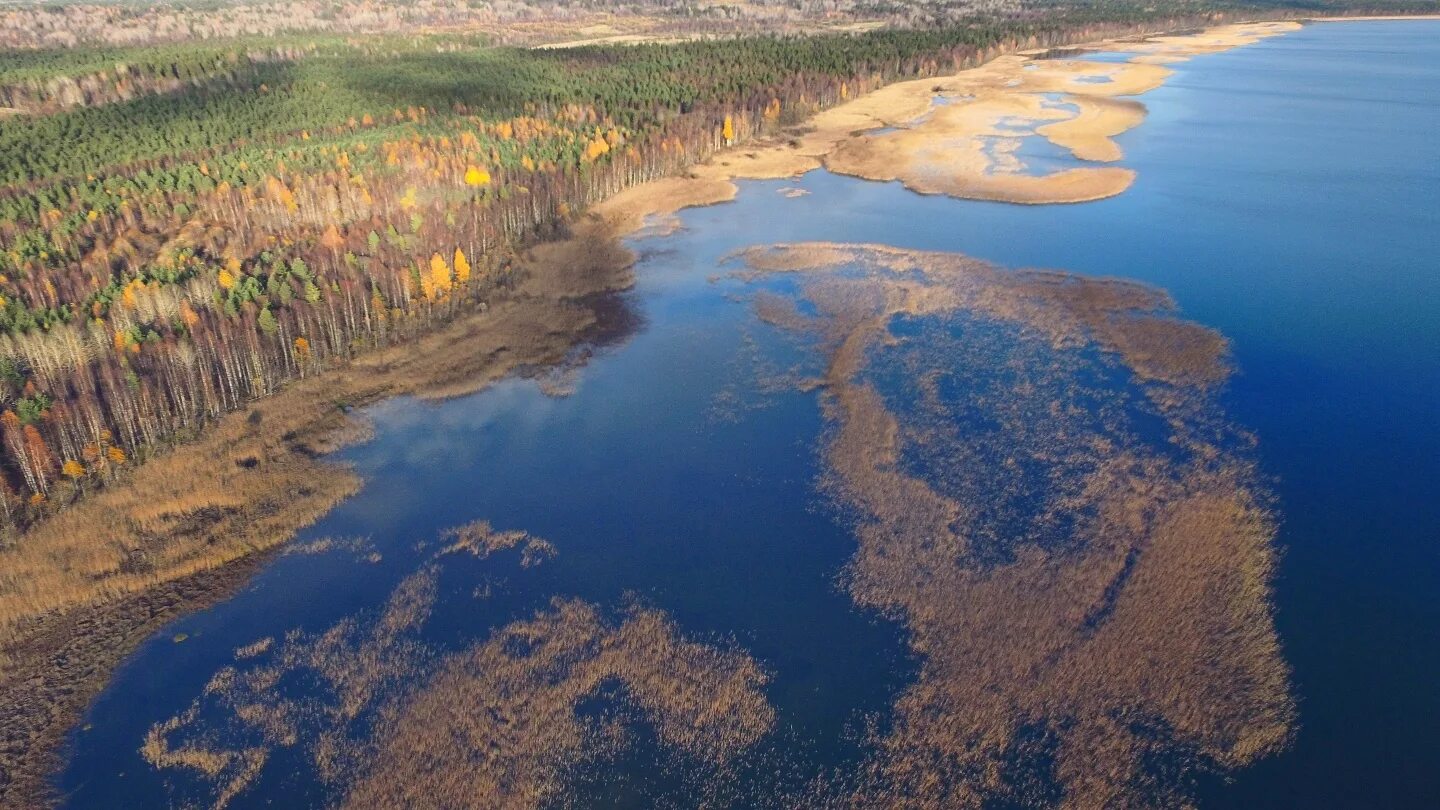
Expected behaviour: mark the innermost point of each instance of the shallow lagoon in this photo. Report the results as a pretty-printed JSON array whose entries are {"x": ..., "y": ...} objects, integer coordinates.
[{"x": 1283, "y": 198}]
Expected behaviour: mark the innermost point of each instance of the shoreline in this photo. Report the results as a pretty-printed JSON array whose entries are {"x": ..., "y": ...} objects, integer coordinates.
[
  {"x": 943, "y": 149},
  {"x": 969, "y": 149},
  {"x": 539, "y": 321},
  {"x": 1375, "y": 18}
]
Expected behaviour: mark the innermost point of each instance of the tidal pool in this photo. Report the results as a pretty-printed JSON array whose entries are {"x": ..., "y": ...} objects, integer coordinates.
[{"x": 713, "y": 506}]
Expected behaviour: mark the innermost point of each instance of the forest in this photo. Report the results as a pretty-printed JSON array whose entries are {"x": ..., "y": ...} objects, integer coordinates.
[{"x": 185, "y": 228}]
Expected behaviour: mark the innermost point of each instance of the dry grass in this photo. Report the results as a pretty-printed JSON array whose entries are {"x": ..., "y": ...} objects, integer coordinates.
[
  {"x": 1084, "y": 600},
  {"x": 71, "y": 658},
  {"x": 352, "y": 666},
  {"x": 127, "y": 558},
  {"x": 943, "y": 150},
  {"x": 360, "y": 547},
  {"x": 251, "y": 481}
]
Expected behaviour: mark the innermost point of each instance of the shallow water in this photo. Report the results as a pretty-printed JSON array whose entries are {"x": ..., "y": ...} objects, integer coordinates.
[{"x": 1285, "y": 197}]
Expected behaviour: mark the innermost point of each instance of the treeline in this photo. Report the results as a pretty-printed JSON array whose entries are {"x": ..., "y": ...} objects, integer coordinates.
[
  {"x": 169, "y": 259},
  {"x": 45, "y": 24},
  {"x": 42, "y": 82},
  {"x": 46, "y": 80}
]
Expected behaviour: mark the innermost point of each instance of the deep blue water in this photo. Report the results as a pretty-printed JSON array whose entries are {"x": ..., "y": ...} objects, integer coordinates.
[{"x": 1288, "y": 195}]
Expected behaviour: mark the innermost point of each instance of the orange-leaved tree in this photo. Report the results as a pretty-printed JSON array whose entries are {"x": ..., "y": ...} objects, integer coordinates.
[{"x": 439, "y": 273}]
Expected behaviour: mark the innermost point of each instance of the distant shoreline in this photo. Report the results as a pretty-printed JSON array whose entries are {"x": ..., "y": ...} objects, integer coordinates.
[
  {"x": 839, "y": 138},
  {"x": 1377, "y": 18}
]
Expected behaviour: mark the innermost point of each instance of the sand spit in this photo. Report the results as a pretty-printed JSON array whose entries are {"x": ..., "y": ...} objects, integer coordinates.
[
  {"x": 387, "y": 721},
  {"x": 1166, "y": 49},
  {"x": 1092, "y": 608},
  {"x": 1087, "y": 134}
]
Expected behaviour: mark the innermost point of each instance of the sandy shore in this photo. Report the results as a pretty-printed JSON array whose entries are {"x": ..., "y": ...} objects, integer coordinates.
[
  {"x": 968, "y": 147},
  {"x": 553, "y": 276},
  {"x": 960, "y": 135}
]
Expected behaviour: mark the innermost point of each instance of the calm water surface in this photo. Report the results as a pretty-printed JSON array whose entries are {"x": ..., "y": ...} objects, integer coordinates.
[{"x": 1288, "y": 195}]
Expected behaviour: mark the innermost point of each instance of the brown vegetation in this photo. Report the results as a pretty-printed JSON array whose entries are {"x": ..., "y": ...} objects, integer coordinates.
[
  {"x": 967, "y": 148},
  {"x": 493, "y": 726},
  {"x": 480, "y": 539},
  {"x": 497, "y": 728},
  {"x": 1086, "y": 601},
  {"x": 68, "y": 659},
  {"x": 356, "y": 663}
]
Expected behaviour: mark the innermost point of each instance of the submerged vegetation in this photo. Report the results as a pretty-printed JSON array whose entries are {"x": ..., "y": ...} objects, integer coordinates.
[{"x": 1046, "y": 495}]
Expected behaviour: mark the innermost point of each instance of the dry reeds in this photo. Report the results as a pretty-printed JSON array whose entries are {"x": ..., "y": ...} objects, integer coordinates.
[
  {"x": 1085, "y": 600},
  {"x": 480, "y": 539}
]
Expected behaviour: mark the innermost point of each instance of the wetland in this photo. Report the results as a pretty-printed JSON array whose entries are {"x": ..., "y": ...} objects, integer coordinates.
[{"x": 825, "y": 491}]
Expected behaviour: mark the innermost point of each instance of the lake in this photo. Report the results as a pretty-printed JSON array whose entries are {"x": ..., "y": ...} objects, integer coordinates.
[{"x": 686, "y": 489}]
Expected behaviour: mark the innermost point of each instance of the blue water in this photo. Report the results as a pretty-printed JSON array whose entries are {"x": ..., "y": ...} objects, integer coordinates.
[{"x": 1288, "y": 195}]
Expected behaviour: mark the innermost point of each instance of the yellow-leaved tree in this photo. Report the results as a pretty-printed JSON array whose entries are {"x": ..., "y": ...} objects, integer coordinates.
[
  {"x": 462, "y": 266},
  {"x": 728, "y": 130},
  {"x": 439, "y": 273},
  {"x": 477, "y": 177}
]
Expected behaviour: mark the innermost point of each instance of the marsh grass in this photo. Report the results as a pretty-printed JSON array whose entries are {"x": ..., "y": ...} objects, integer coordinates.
[
  {"x": 480, "y": 539},
  {"x": 1089, "y": 593}
]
